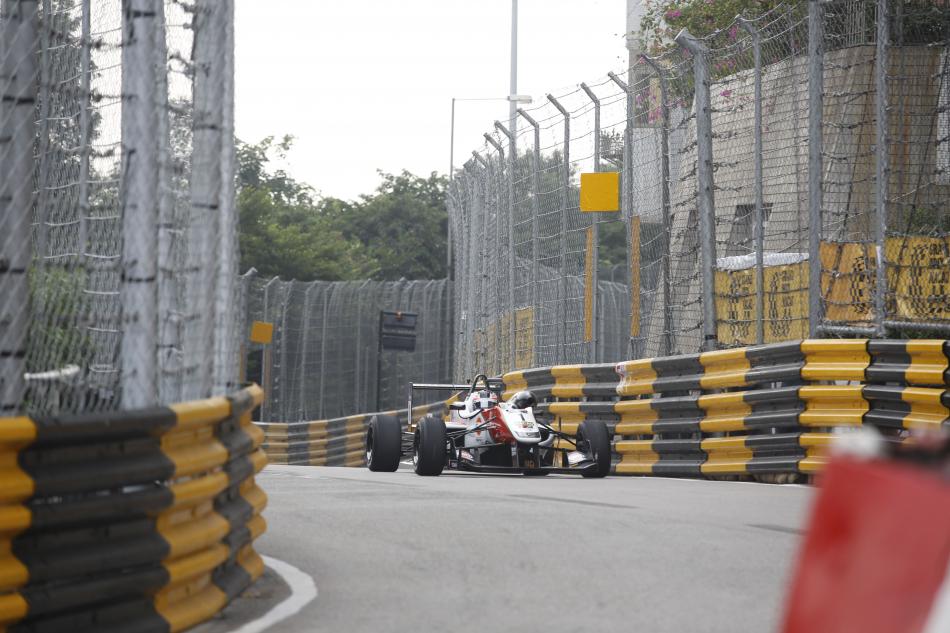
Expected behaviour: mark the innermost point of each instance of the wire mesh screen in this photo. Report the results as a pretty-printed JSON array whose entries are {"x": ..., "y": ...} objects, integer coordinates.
[
  {"x": 325, "y": 359},
  {"x": 717, "y": 141},
  {"x": 119, "y": 236}
]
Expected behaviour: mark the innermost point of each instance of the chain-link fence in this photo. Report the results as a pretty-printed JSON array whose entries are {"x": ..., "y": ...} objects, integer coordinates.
[
  {"x": 118, "y": 244},
  {"x": 831, "y": 116},
  {"x": 325, "y": 359}
]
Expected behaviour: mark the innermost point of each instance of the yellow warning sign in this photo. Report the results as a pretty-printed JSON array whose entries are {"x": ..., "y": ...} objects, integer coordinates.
[
  {"x": 524, "y": 338},
  {"x": 635, "y": 276},
  {"x": 847, "y": 276},
  {"x": 600, "y": 191},
  {"x": 262, "y": 332},
  {"x": 785, "y": 299},
  {"x": 918, "y": 277},
  {"x": 589, "y": 288}
]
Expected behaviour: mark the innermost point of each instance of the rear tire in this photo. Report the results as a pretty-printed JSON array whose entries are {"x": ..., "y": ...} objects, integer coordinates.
[
  {"x": 596, "y": 434},
  {"x": 383, "y": 443},
  {"x": 429, "y": 447}
]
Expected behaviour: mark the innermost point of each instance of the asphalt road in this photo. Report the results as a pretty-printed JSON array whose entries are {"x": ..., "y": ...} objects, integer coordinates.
[{"x": 464, "y": 552}]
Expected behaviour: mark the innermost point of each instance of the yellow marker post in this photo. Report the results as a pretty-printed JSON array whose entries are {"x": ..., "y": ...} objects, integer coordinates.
[{"x": 600, "y": 191}]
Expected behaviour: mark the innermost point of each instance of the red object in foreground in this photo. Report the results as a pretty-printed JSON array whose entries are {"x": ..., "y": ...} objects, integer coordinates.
[{"x": 876, "y": 551}]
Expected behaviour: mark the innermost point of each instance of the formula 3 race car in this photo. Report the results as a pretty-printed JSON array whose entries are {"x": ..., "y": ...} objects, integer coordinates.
[{"x": 487, "y": 435}]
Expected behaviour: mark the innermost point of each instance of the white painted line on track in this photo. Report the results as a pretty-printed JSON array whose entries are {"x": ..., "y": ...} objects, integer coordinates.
[{"x": 302, "y": 591}]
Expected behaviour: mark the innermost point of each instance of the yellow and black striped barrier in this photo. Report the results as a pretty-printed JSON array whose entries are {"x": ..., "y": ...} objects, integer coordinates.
[
  {"x": 129, "y": 521},
  {"x": 759, "y": 410},
  {"x": 336, "y": 442}
]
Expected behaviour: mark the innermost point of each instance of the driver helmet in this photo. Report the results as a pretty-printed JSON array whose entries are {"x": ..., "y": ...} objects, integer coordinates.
[{"x": 523, "y": 400}]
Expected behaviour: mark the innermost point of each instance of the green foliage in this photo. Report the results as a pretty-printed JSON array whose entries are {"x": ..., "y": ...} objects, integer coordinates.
[
  {"x": 287, "y": 229},
  {"x": 665, "y": 18}
]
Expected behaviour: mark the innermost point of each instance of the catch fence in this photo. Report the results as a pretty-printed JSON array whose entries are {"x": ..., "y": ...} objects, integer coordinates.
[
  {"x": 118, "y": 232},
  {"x": 783, "y": 177},
  {"x": 325, "y": 359}
]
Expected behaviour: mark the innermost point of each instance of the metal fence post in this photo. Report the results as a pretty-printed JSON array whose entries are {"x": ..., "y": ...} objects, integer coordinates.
[
  {"x": 595, "y": 229},
  {"x": 223, "y": 371},
  {"x": 327, "y": 296},
  {"x": 705, "y": 184},
  {"x": 536, "y": 212},
  {"x": 481, "y": 295},
  {"x": 267, "y": 358},
  {"x": 882, "y": 165},
  {"x": 565, "y": 198},
  {"x": 494, "y": 278},
  {"x": 85, "y": 127},
  {"x": 18, "y": 87},
  {"x": 205, "y": 190},
  {"x": 634, "y": 350},
  {"x": 169, "y": 312},
  {"x": 304, "y": 344},
  {"x": 759, "y": 227},
  {"x": 665, "y": 201},
  {"x": 512, "y": 278},
  {"x": 816, "y": 48},
  {"x": 138, "y": 355}
]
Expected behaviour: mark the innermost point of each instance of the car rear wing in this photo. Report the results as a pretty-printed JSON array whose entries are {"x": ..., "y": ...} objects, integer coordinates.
[{"x": 495, "y": 384}]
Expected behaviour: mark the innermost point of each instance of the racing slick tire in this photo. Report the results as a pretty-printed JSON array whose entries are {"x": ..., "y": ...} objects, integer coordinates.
[
  {"x": 596, "y": 434},
  {"x": 428, "y": 446},
  {"x": 383, "y": 443}
]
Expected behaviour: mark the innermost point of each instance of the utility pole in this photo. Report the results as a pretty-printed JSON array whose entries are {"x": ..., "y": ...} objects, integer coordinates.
[{"x": 513, "y": 86}]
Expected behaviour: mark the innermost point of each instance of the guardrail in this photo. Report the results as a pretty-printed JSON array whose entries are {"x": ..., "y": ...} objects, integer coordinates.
[
  {"x": 765, "y": 411},
  {"x": 129, "y": 521}
]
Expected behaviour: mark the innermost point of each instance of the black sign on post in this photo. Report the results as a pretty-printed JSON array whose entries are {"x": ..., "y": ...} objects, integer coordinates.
[{"x": 397, "y": 331}]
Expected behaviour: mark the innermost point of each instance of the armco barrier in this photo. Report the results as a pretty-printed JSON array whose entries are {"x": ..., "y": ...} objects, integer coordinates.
[
  {"x": 138, "y": 521},
  {"x": 755, "y": 411}
]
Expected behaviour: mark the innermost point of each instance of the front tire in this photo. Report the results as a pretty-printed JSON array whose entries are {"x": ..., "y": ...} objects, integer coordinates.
[
  {"x": 595, "y": 433},
  {"x": 383, "y": 443},
  {"x": 428, "y": 446}
]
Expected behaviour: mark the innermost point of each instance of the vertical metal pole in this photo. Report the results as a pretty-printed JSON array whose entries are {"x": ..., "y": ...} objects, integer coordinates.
[
  {"x": 816, "y": 48},
  {"x": 85, "y": 127},
  {"x": 18, "y": 83},
  {"x": 169, "y": 345},
  {"x": 665, "y": 201},
  {"x": 513, "y": 272},
  {"x": 594, "y": 222},
  {"x": 452, "y": 144},
  {"x": 493, "y": 279},
  {"x": 882, "y": 165},
  {"x": 535, "y": 280},
  {"x": 139, "y": 387},
  {"x": 304, "y": 345},
  {"x": 281, "y": 396},
  {"x": 565, "y": 197},
  {"x": 759, "y": 227},
  {"x": 626, "y": 183},
  {"x": 481, "y": 297},
  {"x": 327, "y": 296},
  {"x": 205, "y": 191},
  {"x": 513, "y": 85},
  {"x": 266, "y": 358},
  {"x": 227, "y": 261},
  {"x": 705, "y": 184},
  {"x": 42, "y": 184}
]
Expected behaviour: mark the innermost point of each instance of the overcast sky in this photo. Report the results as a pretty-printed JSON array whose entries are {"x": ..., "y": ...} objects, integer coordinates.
[{"x": 367, "y": 84}]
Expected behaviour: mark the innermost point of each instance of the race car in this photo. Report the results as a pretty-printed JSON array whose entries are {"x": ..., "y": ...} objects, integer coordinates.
[{"x": 487, "y": 435}]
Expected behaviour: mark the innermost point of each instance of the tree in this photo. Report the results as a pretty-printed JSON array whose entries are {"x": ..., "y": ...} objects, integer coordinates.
[
  {"x": 283, "y": 227},
  {"x": 402, "y": 226}
]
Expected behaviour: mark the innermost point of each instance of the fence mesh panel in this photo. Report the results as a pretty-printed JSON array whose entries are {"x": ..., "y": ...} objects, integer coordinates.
[
  {"x": 116, "y": 178},
  {"x": 325, "y": 360}
]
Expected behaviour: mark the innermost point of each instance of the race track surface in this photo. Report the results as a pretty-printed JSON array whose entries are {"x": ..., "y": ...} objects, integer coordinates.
[{"x": 465, "y": 552}]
